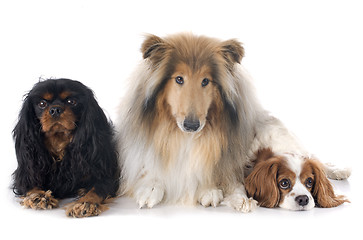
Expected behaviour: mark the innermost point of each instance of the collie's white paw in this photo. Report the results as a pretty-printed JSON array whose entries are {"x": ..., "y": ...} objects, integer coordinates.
[
  {"x": 240, "y": 202},
  {"x": 211, "y": 197},
  {"x": 149, "y": 196}
]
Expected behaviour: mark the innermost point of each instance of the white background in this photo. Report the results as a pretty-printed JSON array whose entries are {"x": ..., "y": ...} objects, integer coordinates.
[{"x": 306, "y": 61}]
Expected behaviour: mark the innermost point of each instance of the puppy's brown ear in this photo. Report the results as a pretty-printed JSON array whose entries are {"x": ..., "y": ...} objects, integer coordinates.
[
  {"x": 232, "y": 51},
  {"x": 323, "y": 192},
  {"x": 153, "y": 48},
  {"x": 261, "y": 184}
]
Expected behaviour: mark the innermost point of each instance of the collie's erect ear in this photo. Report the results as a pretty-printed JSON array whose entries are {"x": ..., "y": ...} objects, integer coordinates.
[
  {"x": 261, "y": 184},
  {"x": 232, "y": 51},
  {"x": 323, "y": 192},
  {"x": 153, "y": 48}
]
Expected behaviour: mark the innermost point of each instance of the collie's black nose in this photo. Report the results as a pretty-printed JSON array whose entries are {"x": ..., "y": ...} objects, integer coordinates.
[
  {"x": 191, "y": 124},
  {"x": 55, "y": 111},
  {"x": 302, "y": 200}
]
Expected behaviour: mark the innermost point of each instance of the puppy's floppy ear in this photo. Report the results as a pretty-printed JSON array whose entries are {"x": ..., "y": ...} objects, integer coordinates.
[
  {"x": 323, "y": 192},
  {"x": 153, "y": 48},
  {"x": 232, "y": 51},
  {"x": 261, "y": 184}
]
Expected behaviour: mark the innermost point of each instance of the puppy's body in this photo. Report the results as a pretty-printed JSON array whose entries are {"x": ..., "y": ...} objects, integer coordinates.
[{"x": 64, "y": 145}]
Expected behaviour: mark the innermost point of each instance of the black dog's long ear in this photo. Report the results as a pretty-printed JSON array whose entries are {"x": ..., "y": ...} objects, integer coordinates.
[
  {"x": 28, "y": 147},
  {"x": 154, "y": 48},
  {"x": 92, "y": 120},
  {"x": 232, "y": 51},
  {"x": 94, "y": 147}
]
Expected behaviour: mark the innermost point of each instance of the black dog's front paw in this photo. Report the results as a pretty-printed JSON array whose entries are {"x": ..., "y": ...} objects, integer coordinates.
[{"x": 38, "y": 199}]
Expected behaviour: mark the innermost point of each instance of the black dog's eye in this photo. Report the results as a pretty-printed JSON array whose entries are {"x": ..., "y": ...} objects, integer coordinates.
[
  {"x": 179, "y": 80},
  {"x": 309, "y": 182},
  {"x": 42, "y": 104},
  {"x": 72, "y": 102},
  {"x": 284, "y": 183},
  {"x": 205, "y": 82}
]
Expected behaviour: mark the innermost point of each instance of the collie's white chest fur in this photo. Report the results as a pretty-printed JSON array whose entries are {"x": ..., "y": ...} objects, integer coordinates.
[
  {"x": 176, "y": 179},
  {"x": 183, "y": 173}
]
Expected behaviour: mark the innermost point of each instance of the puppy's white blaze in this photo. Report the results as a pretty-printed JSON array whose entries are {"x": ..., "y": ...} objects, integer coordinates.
[{"x": 295, "y": 163}]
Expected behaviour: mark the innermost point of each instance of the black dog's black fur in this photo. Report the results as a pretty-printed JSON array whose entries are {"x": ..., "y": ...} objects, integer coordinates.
[{"x": 90, "y": 160}]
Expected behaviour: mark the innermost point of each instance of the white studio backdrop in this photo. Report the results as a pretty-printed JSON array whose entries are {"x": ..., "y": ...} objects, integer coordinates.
[{"x": 306, "y": 61}]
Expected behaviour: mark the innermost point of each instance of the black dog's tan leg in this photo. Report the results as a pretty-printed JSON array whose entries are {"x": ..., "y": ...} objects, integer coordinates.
[
  {"x": 87, "y": 206},
  {"x": 39, "y": 199}
]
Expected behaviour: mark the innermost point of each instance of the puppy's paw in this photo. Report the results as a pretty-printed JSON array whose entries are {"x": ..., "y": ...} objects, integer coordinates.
[
  {"x": 149, "y": 196},
  {"x": 210, "y": 197},
  {"x": 336, "y": 173},
  {"x": 85, "y": 209},
  {"x": 240, "y": 202},
  {"x": 38, "y": 199}
]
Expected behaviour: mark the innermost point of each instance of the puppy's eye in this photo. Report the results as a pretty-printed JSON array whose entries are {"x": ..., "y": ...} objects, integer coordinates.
[
  {"x": 42, "y": 104},
  {"x": 309, "y": 182},
  {"x": 72, "y": 102},
  {"x": 284, "y": 184},
  {"x": 179, "y": 80},
  {"x": 205, "y": 82}
]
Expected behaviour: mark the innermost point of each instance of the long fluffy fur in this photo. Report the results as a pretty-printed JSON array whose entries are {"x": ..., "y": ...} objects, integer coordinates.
[
  {"x": 216, "y": 158},
  {"x": 90, "y": 159}
]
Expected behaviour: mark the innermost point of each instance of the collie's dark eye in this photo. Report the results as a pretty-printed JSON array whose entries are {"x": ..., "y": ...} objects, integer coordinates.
[
  {"x": 284, "y": 184},
  {"x": 205, "y": 82},
  {"x": 309, "y": 182},
  {"x": 71, "y": 102},
  {"x": 179, "y": 80},
  {"x": 42, "y": 104}
]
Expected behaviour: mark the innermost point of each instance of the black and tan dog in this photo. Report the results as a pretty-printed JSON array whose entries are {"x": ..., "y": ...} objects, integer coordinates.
[{"x": 64, "y": 146}]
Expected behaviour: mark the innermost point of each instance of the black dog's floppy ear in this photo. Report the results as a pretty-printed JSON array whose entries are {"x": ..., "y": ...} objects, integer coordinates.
[
  {"x": 28, "y": 146},
  {"x": 232, "y": 51},
  {"x": 153, "y": 48}
]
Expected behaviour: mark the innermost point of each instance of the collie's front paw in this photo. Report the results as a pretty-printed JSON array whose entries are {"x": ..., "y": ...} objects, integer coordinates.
[
  {"x": 149, "y": 196},
  {"x": 210, "y": 197},
  {"x": 240, "y": 202}
]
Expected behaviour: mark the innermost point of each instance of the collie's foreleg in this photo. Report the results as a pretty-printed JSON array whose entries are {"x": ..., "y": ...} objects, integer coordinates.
[
  {"x": 239, "y": 200},
  {"x": 149, "y": 194}
]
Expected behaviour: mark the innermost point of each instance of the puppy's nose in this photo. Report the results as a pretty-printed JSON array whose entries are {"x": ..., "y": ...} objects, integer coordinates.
[
  {"x": 191, "y": 124},
  {"x": 55, "y": 111},
  {"x": 302, "y": 200}
]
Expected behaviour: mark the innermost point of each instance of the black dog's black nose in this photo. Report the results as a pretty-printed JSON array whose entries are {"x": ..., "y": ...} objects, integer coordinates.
[
  {"x": 302, "y": 200},
  {"x": 55, "y": 111},
  {"x": 191, "y": 124}
]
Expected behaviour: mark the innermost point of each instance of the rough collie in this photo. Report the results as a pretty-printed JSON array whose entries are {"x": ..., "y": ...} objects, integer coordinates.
[{"x": 191, "y": 125}]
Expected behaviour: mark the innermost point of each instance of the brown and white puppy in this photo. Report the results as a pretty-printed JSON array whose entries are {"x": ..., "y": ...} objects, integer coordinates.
[{"x": 290, "y": 181}]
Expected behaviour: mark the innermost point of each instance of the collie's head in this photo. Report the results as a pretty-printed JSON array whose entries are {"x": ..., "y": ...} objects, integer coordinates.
[{"x": 191, "y": 79}]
